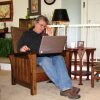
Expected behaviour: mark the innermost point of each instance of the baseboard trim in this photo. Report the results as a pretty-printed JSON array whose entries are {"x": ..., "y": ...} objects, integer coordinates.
[{"x": 4, "y": 66}]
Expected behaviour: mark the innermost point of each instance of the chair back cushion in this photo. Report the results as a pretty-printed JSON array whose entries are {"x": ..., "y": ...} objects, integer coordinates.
[{"x": 16, "y": 33}]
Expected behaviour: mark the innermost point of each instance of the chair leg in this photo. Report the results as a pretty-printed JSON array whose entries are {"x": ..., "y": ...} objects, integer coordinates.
[
  {"x": 33, "y": 83},
  {"x": 33, "y": 91},
  {"x": 34, "y": 88},
  {"x": 13, "y": 80},
  {"x": 97, "y": 75},
  {"x": 92, "y": 78},
  {"x": 92, "y": 82}
]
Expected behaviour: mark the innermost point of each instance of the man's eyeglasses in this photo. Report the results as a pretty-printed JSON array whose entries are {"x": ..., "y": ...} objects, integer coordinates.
[{"x": 43, "y": 26}]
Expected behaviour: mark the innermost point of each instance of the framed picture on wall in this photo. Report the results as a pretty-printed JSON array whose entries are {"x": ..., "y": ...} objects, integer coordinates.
[
  {"x": 34, "y": 7},
  {"x": 6, "y": 11}
]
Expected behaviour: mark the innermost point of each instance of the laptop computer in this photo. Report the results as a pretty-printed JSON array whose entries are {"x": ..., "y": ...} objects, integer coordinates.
[{"x": 52, "y": 44}]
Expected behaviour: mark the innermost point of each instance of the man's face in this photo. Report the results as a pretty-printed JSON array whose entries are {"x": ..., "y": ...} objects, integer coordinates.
[{"x": 40, "y": 26}]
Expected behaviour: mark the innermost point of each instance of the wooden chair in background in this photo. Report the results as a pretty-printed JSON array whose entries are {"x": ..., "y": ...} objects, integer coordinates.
[{"x": 95, "y": 73}]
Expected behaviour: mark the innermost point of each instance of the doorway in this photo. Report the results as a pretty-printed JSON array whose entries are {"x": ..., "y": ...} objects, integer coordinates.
[{"x": 90, "y": 17}]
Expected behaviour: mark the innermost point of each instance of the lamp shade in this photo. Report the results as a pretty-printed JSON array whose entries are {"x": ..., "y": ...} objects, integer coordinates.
[{"x": 60, "y": 15}]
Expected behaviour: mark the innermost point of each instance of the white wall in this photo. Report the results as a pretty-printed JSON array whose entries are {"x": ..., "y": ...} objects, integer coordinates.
[
  {"x": 74, "y": 10},
  {"x": 20, "y": 10},
  {"x": 73, "y": 7},
  {"x": 48, "y": 9}
]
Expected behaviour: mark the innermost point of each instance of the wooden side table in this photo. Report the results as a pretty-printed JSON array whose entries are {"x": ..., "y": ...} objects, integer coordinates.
[{"x": 75, "y": 52}]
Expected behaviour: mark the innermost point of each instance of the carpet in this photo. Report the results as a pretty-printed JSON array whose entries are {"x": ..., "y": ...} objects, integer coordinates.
[{"x": 45, "y": 91}]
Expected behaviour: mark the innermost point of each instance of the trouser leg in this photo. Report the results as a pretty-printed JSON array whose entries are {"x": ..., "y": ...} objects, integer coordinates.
[
  {"x": 55, "y": 68},
  {"x": 62, "y": 73}
]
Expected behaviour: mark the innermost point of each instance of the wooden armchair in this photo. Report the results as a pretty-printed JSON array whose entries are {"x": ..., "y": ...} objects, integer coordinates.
[
  {"x": 95, "y": 73},
  {"x": 24, "y": 70}
]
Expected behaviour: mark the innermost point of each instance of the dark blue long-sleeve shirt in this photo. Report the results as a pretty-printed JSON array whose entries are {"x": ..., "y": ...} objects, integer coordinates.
[{"x": 31, "y": 39}]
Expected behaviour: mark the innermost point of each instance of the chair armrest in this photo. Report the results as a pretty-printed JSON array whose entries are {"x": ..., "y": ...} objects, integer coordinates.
[{"x": 22, "y": 54}]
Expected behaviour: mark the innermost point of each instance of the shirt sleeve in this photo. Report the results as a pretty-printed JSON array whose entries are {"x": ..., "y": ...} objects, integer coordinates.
[{"x": 21, "y": 42}]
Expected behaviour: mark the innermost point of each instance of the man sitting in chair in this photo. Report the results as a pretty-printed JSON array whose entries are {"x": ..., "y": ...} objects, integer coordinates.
[{"x": 53, "y": 65}]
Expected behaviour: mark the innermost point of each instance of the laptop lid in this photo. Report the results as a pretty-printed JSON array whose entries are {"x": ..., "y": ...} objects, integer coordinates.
[{"x": 52, "y": 44}]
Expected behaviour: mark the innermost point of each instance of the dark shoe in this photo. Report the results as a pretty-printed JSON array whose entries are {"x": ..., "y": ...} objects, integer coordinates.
[
  {"x": 76, "y": 90},
  {"x": 70, "y": 93}
]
